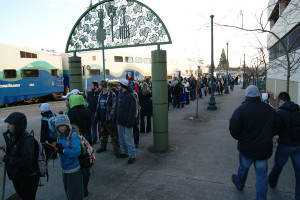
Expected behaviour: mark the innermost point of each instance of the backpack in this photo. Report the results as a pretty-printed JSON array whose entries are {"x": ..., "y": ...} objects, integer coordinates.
[
  {"x": 41, "y": 159},
  {"x": 51, "y": 126},
  {"x": 294, "y": 126},
  {"x": 87, "y": 156}
]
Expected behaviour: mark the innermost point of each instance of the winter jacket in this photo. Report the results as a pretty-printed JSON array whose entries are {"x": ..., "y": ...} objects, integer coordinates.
[
  {"x": 93, "y": 100},
  {"x": 145, "y": 103},
  {"x": 72, "y": 149},
  {"x": 284, "y": 114},
  {"x": 44, "y": 136},
  {"x": 80, "y": 115},
  {"x": 20, "y": 159},
  {"x": 126, "y": 109},
  {"x": 110, "y": 107},
  {"x": 252, "y": 124}
]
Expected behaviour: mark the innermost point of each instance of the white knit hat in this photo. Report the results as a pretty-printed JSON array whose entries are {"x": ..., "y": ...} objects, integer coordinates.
[
  {"x": 124, "y": 83},
  {"x": 264, "y": 96},
  {"x": 73, "y": 92},
  {"x": 45, "y": 107}
]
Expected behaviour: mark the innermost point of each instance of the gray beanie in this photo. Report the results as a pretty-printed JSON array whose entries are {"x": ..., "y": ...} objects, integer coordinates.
[
  {"x": 62, "y": 120},
  {"x": 252, "y": 91}
]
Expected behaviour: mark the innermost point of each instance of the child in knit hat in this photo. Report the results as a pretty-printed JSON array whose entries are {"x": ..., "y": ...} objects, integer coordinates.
[{"x": 69, "y": 148}]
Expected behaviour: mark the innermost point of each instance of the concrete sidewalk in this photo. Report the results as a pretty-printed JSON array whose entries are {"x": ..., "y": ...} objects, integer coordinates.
[{"x": 199, "y": 165}]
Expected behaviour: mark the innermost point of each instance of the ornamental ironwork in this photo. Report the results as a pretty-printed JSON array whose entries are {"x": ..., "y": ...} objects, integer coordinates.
[{"x": 116, "y": 24}]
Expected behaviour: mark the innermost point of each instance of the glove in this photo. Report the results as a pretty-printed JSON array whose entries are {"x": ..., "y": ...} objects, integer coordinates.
[{"x": 59, "y": 148}]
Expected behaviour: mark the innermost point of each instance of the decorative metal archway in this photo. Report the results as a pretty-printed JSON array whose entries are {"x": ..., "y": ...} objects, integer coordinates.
[{"x": 117, "y": 24}]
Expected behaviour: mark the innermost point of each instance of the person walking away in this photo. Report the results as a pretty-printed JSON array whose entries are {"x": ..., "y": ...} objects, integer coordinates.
[
  {"x": 105, "y": 113},
  {"x": 80, "y": 115},
  {"x": 46, "y": 115},
  {"x": 20, "y": 157},
  {"x": 288, "y": 141},
  {"x": 69, "y": 148},
  {"x": 92, "y": 105},
  {"x": 125, "y": 118},
  {"x": 252, "y": 124},
  {"x": 145, "y": 102}
]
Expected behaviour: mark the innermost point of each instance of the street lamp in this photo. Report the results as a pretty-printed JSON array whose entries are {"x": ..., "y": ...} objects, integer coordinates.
[
  {"x": 212, "y": 102},
  {"x": 226, "y": 79}
]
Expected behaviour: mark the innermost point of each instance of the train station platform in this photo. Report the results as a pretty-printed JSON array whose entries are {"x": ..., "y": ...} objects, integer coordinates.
[{"x": 199, "y": 164}]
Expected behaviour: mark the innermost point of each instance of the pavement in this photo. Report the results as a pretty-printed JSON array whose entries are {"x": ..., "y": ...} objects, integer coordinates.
[{"x": 199, "y": 164}]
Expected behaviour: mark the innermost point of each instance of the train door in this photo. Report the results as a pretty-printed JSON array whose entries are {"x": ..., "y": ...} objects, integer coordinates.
[
  {"x": 129, "y": 74},
  {"x": 57, "y": 81}
]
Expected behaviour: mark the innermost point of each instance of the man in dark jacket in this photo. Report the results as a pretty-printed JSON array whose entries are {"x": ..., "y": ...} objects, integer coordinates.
[
  {"x": 92, "y": 105},
  {"x": 288, "y": 145},
  {"x": 252, "y": 124},
  {"x": 20, "y": 158},
  {"x": 126, "y": 118}
]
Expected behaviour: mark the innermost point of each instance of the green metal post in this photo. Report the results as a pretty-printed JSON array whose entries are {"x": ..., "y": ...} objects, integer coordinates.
[
  {"x": 212, "y": 102},
  {"x": 75, "y": 73},
  {"x": 227, "y": 66},
  {"x": 160, "y": 100},
  {"x": 244, "y": 81}
]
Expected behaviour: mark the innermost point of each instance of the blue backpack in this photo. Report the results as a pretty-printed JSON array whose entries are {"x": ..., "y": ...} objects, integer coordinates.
[{"x": 51, "y": 126}]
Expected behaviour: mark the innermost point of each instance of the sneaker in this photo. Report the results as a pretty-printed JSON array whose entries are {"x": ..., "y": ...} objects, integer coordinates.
[
  {"x": 101, "y": 149},
  {"x": 122, "y": 155},
  {"x": 131, "y": 160},
  {"x": 233, "y": 181}
]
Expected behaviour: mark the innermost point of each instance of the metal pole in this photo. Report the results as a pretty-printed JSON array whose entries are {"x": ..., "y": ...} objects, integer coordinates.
[
  {"x": 244, "y": 81},
  {"x": 226, "y": 81},
  {"x": 212, "y": 102},
  {"x": 103, "y": 60}
]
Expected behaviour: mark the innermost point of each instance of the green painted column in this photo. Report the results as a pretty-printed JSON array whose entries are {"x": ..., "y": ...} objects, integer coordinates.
[
  {"x": 160, "y": 100},
  {"x": 75, "y": 73}
]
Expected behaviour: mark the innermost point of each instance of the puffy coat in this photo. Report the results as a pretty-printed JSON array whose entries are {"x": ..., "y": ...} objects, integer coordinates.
[
  {"x": 126, "y": 109},
  {"x": 20, "y": 158},
  {"x": 145, "y": 103},
  {"x": 253, "y": 125}
]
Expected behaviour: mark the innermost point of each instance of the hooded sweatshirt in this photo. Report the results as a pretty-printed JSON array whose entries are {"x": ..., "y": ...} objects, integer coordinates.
[
  {"x": 252, "y": 124},
  {"x": 20, "y": 153},
  {"x": 80, "y": 115}
]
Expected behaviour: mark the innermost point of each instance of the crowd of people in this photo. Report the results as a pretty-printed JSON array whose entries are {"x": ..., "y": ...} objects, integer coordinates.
[{"x": 119, "y": 113}]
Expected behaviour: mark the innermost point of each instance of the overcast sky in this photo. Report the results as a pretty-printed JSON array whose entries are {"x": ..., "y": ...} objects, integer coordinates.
[{"x": 47, "y": 24}]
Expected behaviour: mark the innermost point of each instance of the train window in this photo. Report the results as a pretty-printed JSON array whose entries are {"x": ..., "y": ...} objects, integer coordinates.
[
  {"x": 118, "y": 58},
  {"x": 129, "y": 59},
  {"x": 94, "y": 72},
  {"x": 9, "y": 73},
  {"x": 24, "y": 54},
  {"x": 30, "y": 73},
  {"x": 138, "y": 60},
  {"x": 54, "y": 73},
  {"x": 34, "y": 55},
  {"x": 107, "y": 72},
  {"x": 169, "y": 77},
  {"x": 147, "y": 60},
  {"x": 186, "y": 71},
  {"x": 94, "y": 57}
]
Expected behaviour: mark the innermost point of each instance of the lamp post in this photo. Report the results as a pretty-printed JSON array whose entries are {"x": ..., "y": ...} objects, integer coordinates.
[
  {"x": 244, "y": 82},
  {"x": 226, "y": 81},
  {"x": 212, "y": 102}
]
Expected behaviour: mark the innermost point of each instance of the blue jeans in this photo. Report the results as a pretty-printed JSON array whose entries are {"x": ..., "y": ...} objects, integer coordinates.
[
  {"x": 261, "y": 171},
  {"x": 126, "y": 140},
  {"x": 94, "y": 128},
  {"x": 281, "y": 157}
]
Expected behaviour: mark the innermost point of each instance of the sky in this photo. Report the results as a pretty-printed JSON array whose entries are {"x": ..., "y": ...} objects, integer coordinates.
[{"x": 46, "y": 24}]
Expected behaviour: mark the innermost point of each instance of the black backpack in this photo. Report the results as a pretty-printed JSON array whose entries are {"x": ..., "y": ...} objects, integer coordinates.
[{"x": 294, "y": 126}]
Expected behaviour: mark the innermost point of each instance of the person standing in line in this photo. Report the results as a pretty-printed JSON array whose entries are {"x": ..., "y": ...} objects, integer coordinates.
[
  {"x": 46, "y": 115},
  {"x": 105, "y": 113},
  {"x": 69, "y": 148},
  {"x": 126, "y": 118},
  {"x": 20, "y": 157},
  {"x": 136, "y": 130},
  {"x": 253, "y": 125},
  {"x": 92, "y": 105},
  {"x": 288, "y": 141},
  {"x": 187, "y": 91},
  {"x": 146, "y": 108}
]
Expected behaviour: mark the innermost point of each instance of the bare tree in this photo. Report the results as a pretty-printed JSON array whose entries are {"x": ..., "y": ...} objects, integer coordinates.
[{"x": 284, "y": 46}]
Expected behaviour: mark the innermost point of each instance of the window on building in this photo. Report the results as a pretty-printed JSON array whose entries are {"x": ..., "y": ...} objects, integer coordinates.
[
  {"x": 129, "y": 59},
  {"x": 118, "y": 58},
  {"x": 147, "y": 60},
  {"x": 169, "y": 77},
  {"x": 9, "y": 73},
  {"x": 24, "y": 54},
  {"x": 186, "y": 71},
  {"x": 54, "y": 72},
  {"x": 30, "y": 73},
  {"x": 138, "y": 60},
  {"x": 107, "y": 72},
  {"x": 94, "y": 72}
]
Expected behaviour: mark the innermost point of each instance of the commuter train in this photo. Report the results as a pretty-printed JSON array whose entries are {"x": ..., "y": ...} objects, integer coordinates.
[{"x": 29, "y": 75}]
